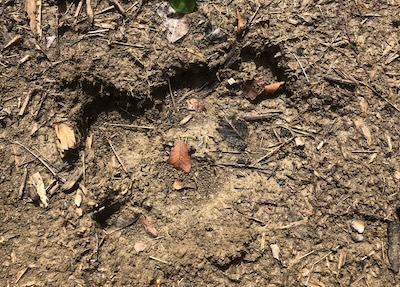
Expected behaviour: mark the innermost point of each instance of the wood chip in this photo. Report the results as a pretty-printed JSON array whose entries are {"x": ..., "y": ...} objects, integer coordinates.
[
  {"x": 66, "y": 137},
  {"x": 393, "y": 233},
  {"x": 362, "y": 126},
  {"x": 37, "y": 182},
  {"x": 78, "y": 198},
  {"x": 30, "y": 7},
  {"x": 275, "y": 251}
]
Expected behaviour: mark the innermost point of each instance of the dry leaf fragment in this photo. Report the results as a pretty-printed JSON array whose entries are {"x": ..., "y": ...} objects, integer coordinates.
[
  {"x": 66, "y": 137},
  {"x": 178, "y": 184},
  {"x": 254, "y": 88},
  {"x": 195, "y": 105},
  {"x": 148, "y": 227},
  {"x": 272, "y": 88},
  {"x": 362, "y": 126},
  {"x": 397, "y": 175},
  {"x": 37, "y": 182},
  {"x": 139, "y": 246},
  {"x": 179, "y": 157},
  {"x": 176, "y": 23},
  {"x": 234, "y": 131},
  {"x": 241, "y": 24}
]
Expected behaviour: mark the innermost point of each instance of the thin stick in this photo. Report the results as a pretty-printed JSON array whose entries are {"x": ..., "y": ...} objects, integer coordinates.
[
  {"x": 159, "y": 260},
  {"x": 260, "y": 116},
  {"x": 26, "y": 101},
  {"x": 131, "y": 126},
  {"x": 274, "y": 150},
  {"x": 236, "y": 165},
  {"x": 23, "y": 184},
  {"x": 39, "y": 17},
  {"x": 117, "y": 156},
  {"x": 172, "y": 95},
  {"x": 304, "y": 72},
  {"x": 42, "y": 161},
  {"x": 313, "y": 265},
  {"x": 83, "y": 166},
  {"x": 119, "y": 7},
  {"x": 375, "y": 91}
]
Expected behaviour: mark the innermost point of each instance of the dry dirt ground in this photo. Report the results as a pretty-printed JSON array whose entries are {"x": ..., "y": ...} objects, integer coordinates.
[{"x": 323, "y": 153}]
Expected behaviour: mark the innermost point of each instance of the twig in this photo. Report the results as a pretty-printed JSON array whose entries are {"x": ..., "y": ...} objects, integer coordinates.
[
  {"x": 83, "y": 166},
  {"x": 12, "y": 41},
  {"x": 238, "y": 165},
  {"x": 119, "y": 7},
  {"x": 302, "y": 68},
  {"x": 159, "y": 260},
  {"x": 172, "y": 95},
  {"x": 261, "y": 116},
  {"x": 23, "y": 184},
  {"x": 131, "y": 126},
  {"x": 313, "y": 265},
  {"x": 340, "y": 81},
  {"x": 141, "y": 2},
  {"x": 294, "y": 224},
  {"x": 39, "y": 18},
  {"x": 117, "y": 156},
  {"x": 42, "y": 161},
  {"x": 375, "y": 91},
  {"x": 89, "y": 12},
  {"x": 26, "y": 101},
  {"x": 274, "y": 150}
]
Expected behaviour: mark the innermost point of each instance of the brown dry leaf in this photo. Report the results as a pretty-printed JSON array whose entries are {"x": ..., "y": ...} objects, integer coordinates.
[
  {"x": 30, "y": 7},
  {"x": 195, "y": 105},
  {"x": 66, "y": 137},
  {"x": 147, "y": 225},
  {"x": 179, "y": 157},
  {"x": 272, "y": 88},
  {"x": 241, "y": 24},
  {"x": 139, "y": 246},
  {"x": 362, "y": 126},
  {"x": 37, "y": 182}
]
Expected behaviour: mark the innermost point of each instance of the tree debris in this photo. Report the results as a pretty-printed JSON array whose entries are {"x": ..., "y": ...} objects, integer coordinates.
[
  {"x": 234, "y": 131},
  {"x": 393, "y": 233},
  {"x": 66, "y": 138},
  {"x": 148, "y": 226},
  {"x": 36, "y": 182},
  {"x": 362, "y": 126},
  {"x": 240, "y": 22},
  {"x": 179, "y": 157},
  {"x": 139, "y": 246},
  {"x": 176, "y": 24},
  {"x": 195, "y": 105},
  {"x": 254, "y": 89}
]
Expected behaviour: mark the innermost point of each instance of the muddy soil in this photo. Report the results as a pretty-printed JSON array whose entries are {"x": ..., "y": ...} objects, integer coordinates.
[{"x": 306, "y": 198}]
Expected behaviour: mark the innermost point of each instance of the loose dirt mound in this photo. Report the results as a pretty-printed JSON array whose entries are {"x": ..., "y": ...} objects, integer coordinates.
[{"x": 277, "y": 184}]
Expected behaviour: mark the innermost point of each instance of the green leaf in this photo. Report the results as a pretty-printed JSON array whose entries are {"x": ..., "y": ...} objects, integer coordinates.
[{"x": 183, "y": 6}]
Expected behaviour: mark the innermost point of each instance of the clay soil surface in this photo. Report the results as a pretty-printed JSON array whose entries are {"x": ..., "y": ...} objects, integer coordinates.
[{"x": 276, "y": 204}]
